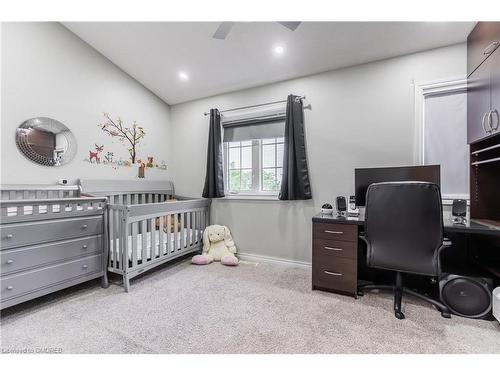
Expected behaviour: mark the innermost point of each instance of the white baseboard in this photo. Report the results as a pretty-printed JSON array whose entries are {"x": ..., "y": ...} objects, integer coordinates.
[{"x": 263, "y": 258}]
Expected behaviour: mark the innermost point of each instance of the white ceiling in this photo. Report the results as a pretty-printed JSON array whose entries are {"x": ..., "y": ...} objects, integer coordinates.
[{"x": 155, "y": 52}]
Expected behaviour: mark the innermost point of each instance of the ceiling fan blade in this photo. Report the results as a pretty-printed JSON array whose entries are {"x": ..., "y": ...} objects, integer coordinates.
[
  {"x": 290, "y": 25},
  {"x": 223, "y": 29}
]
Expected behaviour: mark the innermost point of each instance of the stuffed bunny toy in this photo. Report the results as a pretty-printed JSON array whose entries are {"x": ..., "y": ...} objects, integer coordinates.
[{"x": 218, "y": 245}]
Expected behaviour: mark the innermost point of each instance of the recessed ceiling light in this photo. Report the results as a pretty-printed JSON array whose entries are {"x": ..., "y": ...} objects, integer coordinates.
[
  {"x": 183, "y": 76},
  {"x": 279, "y": 50}
]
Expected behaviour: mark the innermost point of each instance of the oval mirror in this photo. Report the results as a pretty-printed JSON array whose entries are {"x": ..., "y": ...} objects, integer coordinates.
[{"x": 46, "y": 141}]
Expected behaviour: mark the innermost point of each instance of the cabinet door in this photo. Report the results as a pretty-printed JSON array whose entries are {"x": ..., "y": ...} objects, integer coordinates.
[
  {"x": 481, "y": 43},
  {"x": 478, "y": 103},
  {"x": 495, "y": 92}
]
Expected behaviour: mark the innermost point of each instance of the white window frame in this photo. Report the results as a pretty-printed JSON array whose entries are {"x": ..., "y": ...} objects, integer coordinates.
[
  {"x": 422, "y": 91},
  {"x": 256, "y": 180}
]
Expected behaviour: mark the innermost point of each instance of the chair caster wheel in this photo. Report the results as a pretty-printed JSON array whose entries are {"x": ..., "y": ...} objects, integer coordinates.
[
  {"x": 360, "y": 293},
  {"x": 446, "y": 315},
  {"x": 399, "y": 315}
]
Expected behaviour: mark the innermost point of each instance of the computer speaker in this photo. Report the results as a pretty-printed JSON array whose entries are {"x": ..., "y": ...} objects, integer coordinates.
[
  {"x": 459, "y": 207},
  {"x": 466, "y": 296}
]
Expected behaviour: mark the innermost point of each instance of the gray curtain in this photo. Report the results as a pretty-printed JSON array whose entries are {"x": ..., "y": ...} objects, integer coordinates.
[
  {"x": 295, "y": 181},
  {"x": 214, "y": 179}
]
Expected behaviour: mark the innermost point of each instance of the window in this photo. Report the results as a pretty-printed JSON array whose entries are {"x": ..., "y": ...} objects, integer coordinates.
[
  {"x": 444, "y": 135},
  {"x": 254, "y": 166},
  {"x": 253, "y": 150}
]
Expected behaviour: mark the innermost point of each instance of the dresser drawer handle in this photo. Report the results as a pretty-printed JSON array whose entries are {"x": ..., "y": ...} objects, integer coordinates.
[
  {"x": 333, "y": 232},
  {"x": 332, "y": 248},
  {"x": 10, "y": 261},
  {"x": 332, "y": 273},
  {"x": 9, "y": 236},
  {"x": 84, "y": 226},
  {"x": 10, "y": 287},
  {"x": 84, "y": 246},
  {"x": 85, "y": 266}
]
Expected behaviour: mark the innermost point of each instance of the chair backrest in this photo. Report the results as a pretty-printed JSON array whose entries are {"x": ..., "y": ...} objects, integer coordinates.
[{"x": 404, "y": 226}]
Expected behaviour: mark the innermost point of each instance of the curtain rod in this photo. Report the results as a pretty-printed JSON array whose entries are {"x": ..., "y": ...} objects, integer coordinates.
[{"x": 255, "y": 105}]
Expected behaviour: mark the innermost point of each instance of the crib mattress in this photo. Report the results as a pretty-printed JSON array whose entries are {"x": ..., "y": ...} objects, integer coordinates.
[{"x": 194, "y": 235}]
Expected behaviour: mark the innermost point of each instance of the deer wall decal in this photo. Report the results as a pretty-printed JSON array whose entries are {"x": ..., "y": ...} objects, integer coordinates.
[{"x": 95, "y": 155}]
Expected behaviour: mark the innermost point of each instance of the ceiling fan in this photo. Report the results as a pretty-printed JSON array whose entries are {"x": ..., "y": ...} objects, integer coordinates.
[{"x": 225, "y": 27}]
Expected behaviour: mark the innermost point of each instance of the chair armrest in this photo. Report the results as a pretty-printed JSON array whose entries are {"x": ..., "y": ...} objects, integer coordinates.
[
  {"x": 445, "y": 245},
  {"x": 362, "y": 236}
]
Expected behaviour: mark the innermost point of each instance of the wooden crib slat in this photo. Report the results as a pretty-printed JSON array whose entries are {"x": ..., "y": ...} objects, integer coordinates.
[
  {"x": 123, "y": 255},
  {"x": 134, "y": 243},
  {"x": 144, "y": 239},
  {"x": 195, "y": 231},
  {"x": 117, "y": 242},
  {"x": 151, "y": 223},
  {"x": 189, "y": 236},
  {"x": 183, "y": 231},
  {"x": 161, "y": 248},
  {"x": 170, "y": 248},
  {"x": 176, "y": 231},
  {"x": 118, "y": 223},
  {"x": 111, "y": 239}
]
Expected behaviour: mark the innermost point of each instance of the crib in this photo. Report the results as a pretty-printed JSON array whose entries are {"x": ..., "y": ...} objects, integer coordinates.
[{"x": 148, "y": 224}]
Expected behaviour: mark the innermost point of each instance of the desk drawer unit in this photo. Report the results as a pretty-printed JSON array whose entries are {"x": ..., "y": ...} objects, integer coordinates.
[
  {"x": 36, "y": 232},
  {"x": 24, "y": 258},
  {"x": 334, "y": 258},
  {"x": 30, "y": 281}
]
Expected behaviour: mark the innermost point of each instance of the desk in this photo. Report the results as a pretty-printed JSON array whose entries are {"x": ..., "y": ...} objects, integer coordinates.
[{"x": 337, "y": 249}]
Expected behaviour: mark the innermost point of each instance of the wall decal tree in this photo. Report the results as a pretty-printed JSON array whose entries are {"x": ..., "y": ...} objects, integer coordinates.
[{"x": 130, "y": 135}]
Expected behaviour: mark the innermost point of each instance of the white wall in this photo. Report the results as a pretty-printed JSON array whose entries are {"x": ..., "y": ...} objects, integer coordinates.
[
  {"x": 48, "y": 71},
  {"x": 361, "y": 116}
]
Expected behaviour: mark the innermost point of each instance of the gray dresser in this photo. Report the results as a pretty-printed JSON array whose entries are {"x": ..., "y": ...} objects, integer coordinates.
[{"x": 51, "y": 238}]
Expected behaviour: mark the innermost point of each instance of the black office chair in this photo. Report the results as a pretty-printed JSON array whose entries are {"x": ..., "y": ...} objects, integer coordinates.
[{"x": 404, "y": 233}]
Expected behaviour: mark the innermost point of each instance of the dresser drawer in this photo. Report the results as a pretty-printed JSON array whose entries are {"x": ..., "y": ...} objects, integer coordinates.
[
  {"x": 331, "y": 248},
  {"x": 31, "y": 233},
  {"x": 19, "y": 259},
  {"x": 30, "y": 281},
  {"x": 341, "y": 232},
  {"x": 338, "y": 274}
]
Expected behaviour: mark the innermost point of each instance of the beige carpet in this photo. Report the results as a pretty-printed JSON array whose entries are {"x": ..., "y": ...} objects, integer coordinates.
[{"x": 264, "y": 308}]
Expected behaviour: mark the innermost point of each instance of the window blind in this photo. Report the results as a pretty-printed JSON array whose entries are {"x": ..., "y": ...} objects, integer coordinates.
[
  {"x": 261, "y": 123},
  {"x": 260, "y": 130},
  {"x": 445, "y": 141}
]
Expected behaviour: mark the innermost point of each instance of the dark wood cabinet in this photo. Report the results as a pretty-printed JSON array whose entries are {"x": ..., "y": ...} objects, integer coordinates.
[
  {"x": 483, "y": 121},
  {"x": 478, "y": 102},
  {"x": 335, "y": 257},
  {"x": 483, "y": 67},
  {"x": 495, "y": 93},
  {"x": 481, "y": 42}
]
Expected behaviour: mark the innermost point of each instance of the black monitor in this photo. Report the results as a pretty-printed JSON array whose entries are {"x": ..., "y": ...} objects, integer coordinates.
[{"x": 364, "y": 177}]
